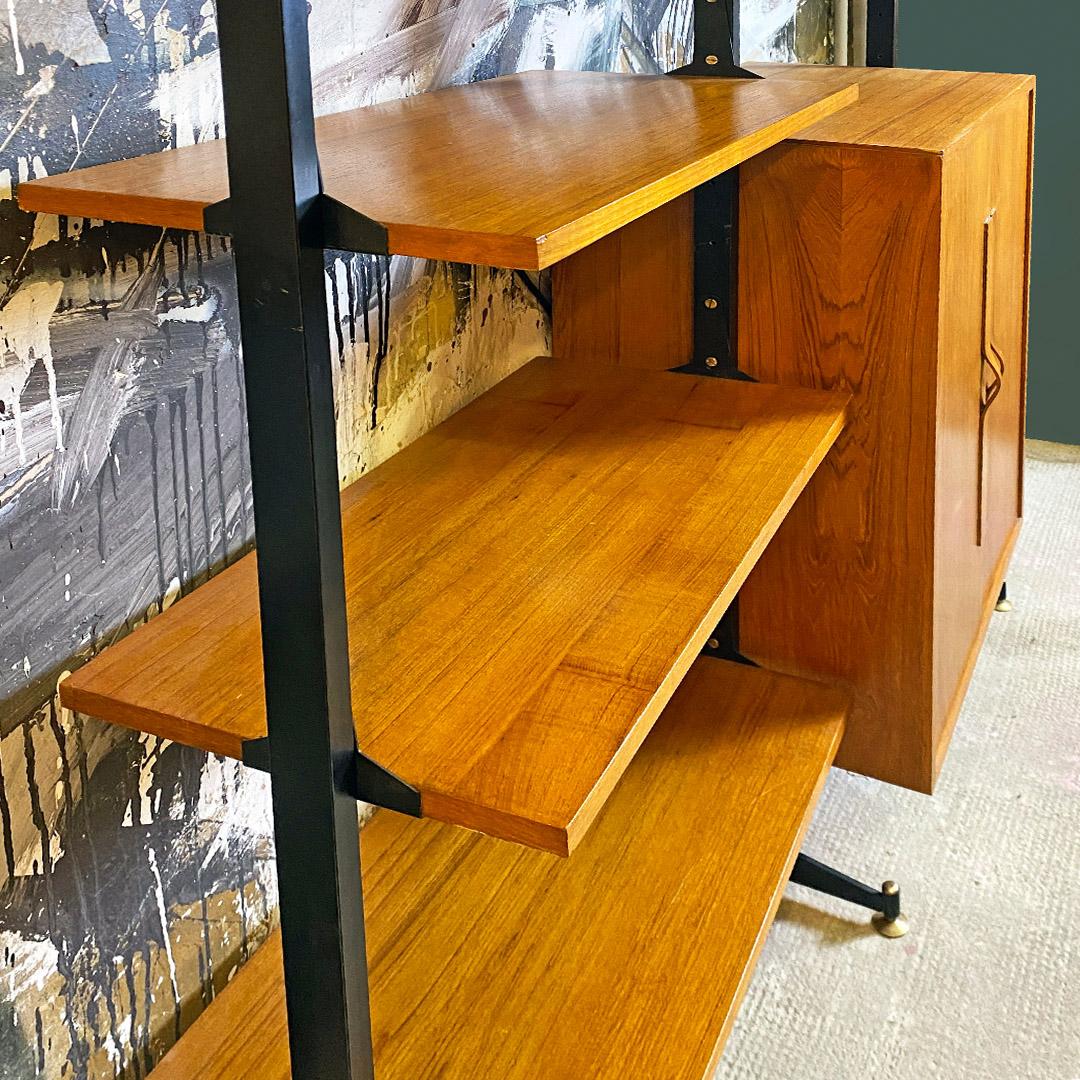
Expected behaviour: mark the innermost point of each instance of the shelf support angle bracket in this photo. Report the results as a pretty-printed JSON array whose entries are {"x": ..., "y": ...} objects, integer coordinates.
[
  {"x": 716, "y": 42},
  {"x": 341, "y": 229},
  {"x": 359, "y": 776}
]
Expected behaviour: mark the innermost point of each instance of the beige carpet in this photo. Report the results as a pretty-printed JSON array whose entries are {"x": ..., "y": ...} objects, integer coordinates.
[{"x": 986, "y": 986}]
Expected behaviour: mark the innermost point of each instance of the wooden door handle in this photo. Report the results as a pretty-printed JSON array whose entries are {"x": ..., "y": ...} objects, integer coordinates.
[
  {"x": 991, "y": 368},
  {"x": 992, "y": 371}
]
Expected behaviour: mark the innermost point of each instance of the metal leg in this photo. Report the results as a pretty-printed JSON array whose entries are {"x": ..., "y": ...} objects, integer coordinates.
[
  {"x": 889, "y": 921},
  {"x": 1003, "y": 601}
]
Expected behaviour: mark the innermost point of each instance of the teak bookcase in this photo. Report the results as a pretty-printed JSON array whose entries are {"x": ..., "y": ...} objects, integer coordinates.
[{"x": 519, "y": 636}]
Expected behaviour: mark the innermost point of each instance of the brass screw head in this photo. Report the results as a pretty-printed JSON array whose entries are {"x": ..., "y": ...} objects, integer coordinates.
[
  {"x": 714, "y": 643},
  {"x": 710, "y": 303},
  {"x": 711, "y": 361},
  {"x": 712, "y": 59},
  {"x": 890, "y": 888}
]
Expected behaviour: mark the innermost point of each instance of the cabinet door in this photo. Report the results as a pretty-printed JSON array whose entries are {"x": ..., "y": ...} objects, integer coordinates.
[
  {"x": 1005, "y": 327},
  {"x": 981, "y": 377}
]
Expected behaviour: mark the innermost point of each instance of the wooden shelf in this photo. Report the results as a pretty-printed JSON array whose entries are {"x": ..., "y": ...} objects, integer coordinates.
[
  {"x": 527, "y": 585},
  {"x": 628, "y": 960},
  {"x": 519, "y": 171}
]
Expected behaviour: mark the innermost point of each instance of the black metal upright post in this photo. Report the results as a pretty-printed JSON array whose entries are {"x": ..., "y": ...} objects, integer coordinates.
[
  {"x": 882, "y": 29},
  {"x": 717, "y": 51},
  {"x": 276, "y": 220}
]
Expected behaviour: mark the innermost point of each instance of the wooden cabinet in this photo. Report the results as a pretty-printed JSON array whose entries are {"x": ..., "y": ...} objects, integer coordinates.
[{"x": 885, "y": 252}]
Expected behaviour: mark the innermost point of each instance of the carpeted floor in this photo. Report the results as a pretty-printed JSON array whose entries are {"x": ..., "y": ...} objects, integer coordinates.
[{"x": 986, "y": 986}]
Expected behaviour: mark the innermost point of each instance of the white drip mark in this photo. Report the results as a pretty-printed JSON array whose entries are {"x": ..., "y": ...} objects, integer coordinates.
[
  {"x": 159, "y": 892},
  {"x": 54, "y": 399},
  {"x": 16, "y": 410},
  {"x": 13, "y": 22},
  {"x": 25, "y": 340}
]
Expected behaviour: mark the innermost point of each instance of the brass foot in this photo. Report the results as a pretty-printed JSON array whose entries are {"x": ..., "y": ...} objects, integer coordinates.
[
  {"x": 895, "y": 927},
  {"x": 891, "y": 928},
  {"x": 1003, "y": 605}
]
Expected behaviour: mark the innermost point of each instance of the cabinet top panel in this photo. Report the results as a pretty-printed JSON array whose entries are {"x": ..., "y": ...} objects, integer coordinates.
[
  {"x": 909, "y": 109},
  {"x": 519, "y": 171}
]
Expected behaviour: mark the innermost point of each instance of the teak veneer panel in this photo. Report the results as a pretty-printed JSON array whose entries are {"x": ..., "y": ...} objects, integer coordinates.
[
  {"x": 518, "y": 171},
  {"x": 862, "y": 268},
  {"x": 909, "y": 109},
  {"x": 628, "y": 960},
  {"x": 985, "y": 197},
  {"x": 629, "y": 298},
  {"x": 527, "y": 584}
]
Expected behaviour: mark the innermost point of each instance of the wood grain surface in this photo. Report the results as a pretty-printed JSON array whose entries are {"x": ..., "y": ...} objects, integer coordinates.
[
  {"x": 628, "y": 960},
  {"x": 986, "y": 188},
  {"x": 862, "y": 269},
  {"x": 908, "y": 109},
  {"x": 628, "y": 299},
  {"x": 519, "y": 171},
  {"x": 845, "y": 295},
  {"x": 527, "y": 585}
]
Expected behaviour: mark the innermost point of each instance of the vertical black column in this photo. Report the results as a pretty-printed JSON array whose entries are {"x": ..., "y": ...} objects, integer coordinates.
[
  {"x": 278, "y": 244},
  {"x": 882, "y": 30}
]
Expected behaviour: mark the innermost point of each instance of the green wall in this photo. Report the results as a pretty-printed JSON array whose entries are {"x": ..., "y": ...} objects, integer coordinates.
[{"x": 1041, "y": 38}]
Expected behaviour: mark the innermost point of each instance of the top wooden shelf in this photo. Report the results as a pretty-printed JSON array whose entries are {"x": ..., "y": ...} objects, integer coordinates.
[
  {"x": 519, "y": 171},
  {"x": 527, "y": 585}
]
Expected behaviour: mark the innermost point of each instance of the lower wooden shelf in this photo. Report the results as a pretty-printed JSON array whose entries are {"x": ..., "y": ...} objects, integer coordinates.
[
  {"x": 627, "y": 960},
  {"x": 527, "y": 585}
]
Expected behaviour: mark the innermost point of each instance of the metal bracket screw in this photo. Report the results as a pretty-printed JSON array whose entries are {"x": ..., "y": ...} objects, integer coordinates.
[
  {"x": 710, "y": 59},
  {"x": 712, "y": 303},
  {"x": 711, "y": 361}
]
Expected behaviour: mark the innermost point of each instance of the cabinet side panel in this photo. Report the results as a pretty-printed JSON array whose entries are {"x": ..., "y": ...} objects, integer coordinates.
[
  {"x": 980, "y": 391},
  {"x": 839, "y": 262},
  {"x": 628, "y": 299}
]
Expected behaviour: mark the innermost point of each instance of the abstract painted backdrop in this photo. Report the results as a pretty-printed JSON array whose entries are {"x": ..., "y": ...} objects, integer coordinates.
[{"x": 136, "y": 874}]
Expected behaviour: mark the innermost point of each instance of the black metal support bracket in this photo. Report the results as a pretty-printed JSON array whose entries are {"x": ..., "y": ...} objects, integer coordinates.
[
  {"x": 716, "y": 42},
  {"x": 716, "y": 299},
  {"x": 889, "y": 920},
  {"x": 361, "y": 778},
  {"x": 723, "y": 643},
  {"x": 340, "y": 227},
  {"x": 218, "y": 218}
]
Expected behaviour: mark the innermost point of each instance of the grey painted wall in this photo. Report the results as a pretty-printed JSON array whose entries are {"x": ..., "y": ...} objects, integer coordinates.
[{"x": 1002, "y": 35}]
